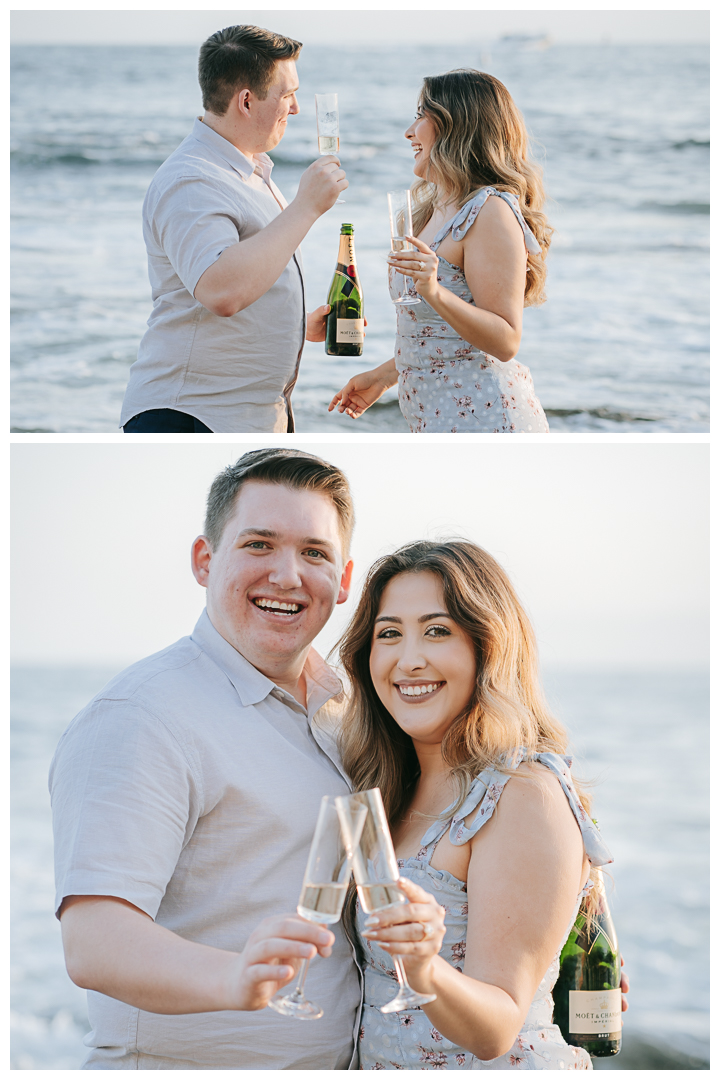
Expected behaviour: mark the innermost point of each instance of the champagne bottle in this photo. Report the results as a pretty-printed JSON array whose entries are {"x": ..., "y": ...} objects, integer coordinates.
[
  {"x": 345, "y": 330},
  {"x": 588, "y": 1002}
]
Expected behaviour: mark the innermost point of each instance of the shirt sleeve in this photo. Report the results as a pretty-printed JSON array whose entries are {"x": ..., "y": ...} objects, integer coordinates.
[
  {"x": 125, "y": 800},
  {"x": 192, "y": 223}
]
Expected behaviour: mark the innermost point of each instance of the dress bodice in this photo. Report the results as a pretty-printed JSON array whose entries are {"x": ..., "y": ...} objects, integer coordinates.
[
  {"x": 407, "y": 1040},
  {"x": 445, "y": 382},
  {"x": 414, "y": 320}
]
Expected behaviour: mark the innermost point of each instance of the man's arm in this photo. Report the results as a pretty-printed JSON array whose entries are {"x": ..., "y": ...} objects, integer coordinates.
[
  {"x": 113, "y": 947},
  {"x": 246, "y": 270}
]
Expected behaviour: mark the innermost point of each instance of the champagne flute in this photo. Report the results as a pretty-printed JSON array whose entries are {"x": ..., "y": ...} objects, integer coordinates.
[
  {"x": 400, "y": 224},
  {"x": 325, "y": 883},
  {"x": 376, "y": 875},
  {"x": 328, "y": 125}
]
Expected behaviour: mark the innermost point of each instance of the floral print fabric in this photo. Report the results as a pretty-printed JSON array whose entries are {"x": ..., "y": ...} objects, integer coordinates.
[
  {"x": 407, "y": 1040},
  {"x": 446, "y": 384}
]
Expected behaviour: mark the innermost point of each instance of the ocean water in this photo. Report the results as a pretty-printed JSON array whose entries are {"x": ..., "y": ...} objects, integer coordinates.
[
  {"x": 622, "y": 131},
  {"x": 641, "y": 737}
]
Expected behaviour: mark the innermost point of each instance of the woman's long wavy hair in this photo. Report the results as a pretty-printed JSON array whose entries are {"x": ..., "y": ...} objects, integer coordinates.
[
  {"x": 481, "y": 140},
  {"x": 507, "y": 708}
]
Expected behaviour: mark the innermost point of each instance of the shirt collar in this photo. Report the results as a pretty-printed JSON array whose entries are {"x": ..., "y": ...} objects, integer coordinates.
[
  {"x": 252, "y": 686},
  {"x": 261, "y": 163}
]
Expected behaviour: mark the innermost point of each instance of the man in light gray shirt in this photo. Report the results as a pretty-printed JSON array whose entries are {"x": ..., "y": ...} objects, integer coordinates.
[
  {"x": 226, "y": 333},
  {"x": 185, "y": 796}
]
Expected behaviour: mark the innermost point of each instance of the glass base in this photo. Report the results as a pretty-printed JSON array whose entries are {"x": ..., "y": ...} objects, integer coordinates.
[
  {"x": 407, "y": 300},
  {"x": 406, "y": 999},
  {"x": 297, "y": 1006}
]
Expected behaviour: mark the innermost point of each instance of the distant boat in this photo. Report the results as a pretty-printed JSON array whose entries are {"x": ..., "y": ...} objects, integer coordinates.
[{"x": 527, "y": 42}]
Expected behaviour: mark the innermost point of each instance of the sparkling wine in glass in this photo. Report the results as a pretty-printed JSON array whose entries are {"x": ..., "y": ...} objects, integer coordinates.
[
  {"x": 400, "y": 224},
  {"x": 328, "y": 125},
  {"x": 323, "y": 892},
  {"x": 376, "y": 875}
]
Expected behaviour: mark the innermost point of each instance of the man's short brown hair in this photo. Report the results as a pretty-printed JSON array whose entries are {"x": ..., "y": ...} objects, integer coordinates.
[
  {"x": 237, "y": 58},
  {"x": 295, "y": 469}
]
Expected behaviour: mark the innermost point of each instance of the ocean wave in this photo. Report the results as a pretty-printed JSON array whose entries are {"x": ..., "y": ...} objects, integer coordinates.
[
  {"x": 44, "y": 160},
  {"x": 690, "y": 142},
  {"x": 676, "y": 208},
  {"x": 42, "y": 157},
  {"x": 617, "y": 417},
  {"x": 303, "y": 157}
]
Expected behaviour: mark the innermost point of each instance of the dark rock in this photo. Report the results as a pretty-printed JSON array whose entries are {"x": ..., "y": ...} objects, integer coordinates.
[{"x": 639, "y": 1052}]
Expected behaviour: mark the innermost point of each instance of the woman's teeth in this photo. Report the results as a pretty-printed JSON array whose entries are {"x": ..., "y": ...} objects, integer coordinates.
[{"x": 418, "y": 691}]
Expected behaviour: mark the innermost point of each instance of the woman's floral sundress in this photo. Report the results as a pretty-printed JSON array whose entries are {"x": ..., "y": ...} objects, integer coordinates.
[
  {"x": 446, "y": 384},
  {"x": 407, "y": 1040}
]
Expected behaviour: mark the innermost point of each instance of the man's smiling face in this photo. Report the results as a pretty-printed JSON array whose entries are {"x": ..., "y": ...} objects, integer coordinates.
[
  {"x": 271, "y": 113},
  {"x": 274, "y": 579}
]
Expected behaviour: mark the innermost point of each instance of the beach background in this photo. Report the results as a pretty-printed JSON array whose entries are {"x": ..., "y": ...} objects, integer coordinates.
[
  {"x": 620, "y": 124},
  {"x": 608, "y": 552}
]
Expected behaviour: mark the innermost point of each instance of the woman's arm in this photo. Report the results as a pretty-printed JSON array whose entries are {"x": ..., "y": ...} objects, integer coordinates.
[
  {"x": 526, "y": 869},
  {"x": 495, "y": 262}
]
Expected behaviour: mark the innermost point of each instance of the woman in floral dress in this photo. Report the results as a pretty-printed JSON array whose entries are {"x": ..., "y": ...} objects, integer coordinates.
[
  {"x": 494, "y": 842},
  {"x": 479, "y": 259}
]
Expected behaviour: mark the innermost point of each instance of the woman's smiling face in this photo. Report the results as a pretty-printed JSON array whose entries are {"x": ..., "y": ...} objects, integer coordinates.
[
  {"x": 422, "y": 134},
  {"x": 422, "y": 663}
]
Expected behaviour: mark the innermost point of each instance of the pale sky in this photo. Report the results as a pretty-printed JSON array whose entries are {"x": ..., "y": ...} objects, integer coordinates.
[
  {"x": 606, "y": 542},
  {"x": 412, "y": 23}
]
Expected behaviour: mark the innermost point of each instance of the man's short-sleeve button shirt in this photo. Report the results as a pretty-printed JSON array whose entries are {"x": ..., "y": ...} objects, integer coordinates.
[
  {"x": 190, "y": 786},
  {"x": 237, "y": 373}
]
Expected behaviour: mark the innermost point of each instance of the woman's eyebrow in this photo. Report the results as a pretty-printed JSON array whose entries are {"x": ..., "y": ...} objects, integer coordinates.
[{"x": 421, "y": 618}]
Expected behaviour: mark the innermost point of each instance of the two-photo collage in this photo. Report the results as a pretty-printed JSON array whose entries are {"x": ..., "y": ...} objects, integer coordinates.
[{"x": 382, "y": 713}]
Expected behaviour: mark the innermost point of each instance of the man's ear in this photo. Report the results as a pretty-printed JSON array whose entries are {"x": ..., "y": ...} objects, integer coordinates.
[
  {"x": 243, "y": 101},
  {"x": 345, "y": 582},
  {"x": 200, "y": 557}
]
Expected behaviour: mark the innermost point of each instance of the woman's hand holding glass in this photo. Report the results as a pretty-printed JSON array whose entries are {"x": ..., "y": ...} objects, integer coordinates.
[
  {"x": 420, "y": 265},
  {"x": 414, "y": 931},
  {"x": 376, "y": 875}
]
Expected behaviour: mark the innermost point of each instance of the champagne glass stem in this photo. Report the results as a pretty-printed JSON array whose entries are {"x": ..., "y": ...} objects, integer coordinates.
[
  {"x": 297, "y": 994},
  {"x": 406, "y": 997},
  {"x": 296, "y": 1004},
  {"x": 402, "y": 977}
]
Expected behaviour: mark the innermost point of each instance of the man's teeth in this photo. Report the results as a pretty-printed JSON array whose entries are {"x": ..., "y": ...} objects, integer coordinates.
[
  {"x": 418, "y": 691},
  {"x": 277, "y": 605}
]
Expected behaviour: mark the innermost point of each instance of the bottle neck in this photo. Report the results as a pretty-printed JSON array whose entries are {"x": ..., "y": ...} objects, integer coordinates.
[{"x": 346, "y": 254}]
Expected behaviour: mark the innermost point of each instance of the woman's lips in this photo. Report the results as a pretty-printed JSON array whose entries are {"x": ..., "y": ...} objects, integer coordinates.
[{"x": 417, "y": 693}]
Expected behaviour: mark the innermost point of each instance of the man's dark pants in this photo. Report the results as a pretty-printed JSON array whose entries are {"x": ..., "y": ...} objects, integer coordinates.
[{"x": 164, "y": 421}]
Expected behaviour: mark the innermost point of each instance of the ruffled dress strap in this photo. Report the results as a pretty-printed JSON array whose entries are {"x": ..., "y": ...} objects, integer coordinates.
[
  {"x": 596, "y": 849},
  {"x": 464, "y": 218},
  {"x": 484, "y": 795}
]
